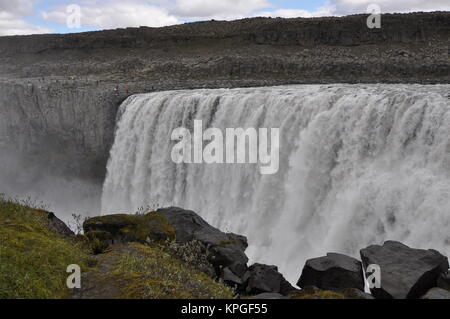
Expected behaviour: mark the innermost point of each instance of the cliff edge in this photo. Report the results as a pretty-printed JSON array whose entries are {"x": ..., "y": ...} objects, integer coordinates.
[{"x": 58, "y": 98}]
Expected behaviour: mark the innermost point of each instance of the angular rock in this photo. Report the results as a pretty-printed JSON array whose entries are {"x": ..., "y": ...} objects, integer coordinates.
[
  {"x": 333, "y": 271},
  {"x": 264, "y": 278},
  {"x": 225, "y": 249},
  {"x": 436, "y": 293},
  {"x": 238, "y": 268},
  {"x": 58, "y": 226},
  {"x": 239, "y": 240},
  {"x": 230, "y": 278},
  {"x": 352, "y": 293},
  {"x": 444, "y": 281},
  {"x": 405, "y": 272},
  {"x": 285, "y": 287},
  {"x": 129, "y": 228},
  {"x": 233, "y": 275}
]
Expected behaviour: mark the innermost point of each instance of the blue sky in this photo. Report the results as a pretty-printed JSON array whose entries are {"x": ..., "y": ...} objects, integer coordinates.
[
  {"x": 50, "y": 16},
  {"x": 309, "y": 5}
]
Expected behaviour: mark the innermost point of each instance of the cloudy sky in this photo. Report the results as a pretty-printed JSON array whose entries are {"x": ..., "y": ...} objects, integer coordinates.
[{"x": 52, "y": 16}]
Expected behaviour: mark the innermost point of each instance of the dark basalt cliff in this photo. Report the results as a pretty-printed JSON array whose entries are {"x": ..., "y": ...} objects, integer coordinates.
[
  {"x": 57, "y": 99},
  {"x": 407, "y": 48}
]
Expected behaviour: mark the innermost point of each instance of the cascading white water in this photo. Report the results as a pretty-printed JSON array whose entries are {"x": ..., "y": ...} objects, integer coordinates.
[{"x": 359, "y": 164}]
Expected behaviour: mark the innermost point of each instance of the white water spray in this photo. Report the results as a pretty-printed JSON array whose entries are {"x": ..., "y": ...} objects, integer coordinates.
[{"x": 359, "y": 164}]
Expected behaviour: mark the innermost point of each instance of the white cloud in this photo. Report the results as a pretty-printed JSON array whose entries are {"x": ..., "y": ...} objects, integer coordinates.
[
  {"x": 17, "y": 7},
  {"x": 110, "y": 14},
  {"x": 343, "y": 7},
  {"x": 12, "y": 25},
  {"x": 295, "y": 13},
  {"x": 116, "y": 14},
  {"x": 12, "y": 21},
  {"x": 218, "y": 9}
]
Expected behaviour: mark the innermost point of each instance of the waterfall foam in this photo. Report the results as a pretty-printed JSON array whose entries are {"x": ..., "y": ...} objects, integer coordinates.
[{"x": 359, "y": 164}]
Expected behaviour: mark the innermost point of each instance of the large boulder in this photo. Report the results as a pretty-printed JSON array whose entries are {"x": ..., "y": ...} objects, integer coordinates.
[
  {"x": 230, "y": 278},
  {"x": 260, "y": 279},
  {"x": 405, "y": 272},
  {"x": 225, "y": 249},
  {"x": 443, "y": 281},
  {"x": 129, "y": 228},
  {"x": 333, "y": 271},
  {"x": 436, "y": 293},
  {"x": 58, "y": 226},
  {"x": 233, "y": 275},
  {"x": 353, "y": 293}
]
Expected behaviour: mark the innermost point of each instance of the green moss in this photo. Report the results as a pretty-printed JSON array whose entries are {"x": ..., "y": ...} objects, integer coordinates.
[
  {"x": 148, "y": 272},
  {"x": 33, "y": 258},
  {"x": 99, "y": 234},
  {"x": 137, "y": 228},
  {"x": 314, "y": 293},
  {"x": 117, "y": 220},
  {"x": 158, "y": 227},
  {"x": 225, "y": 243}
]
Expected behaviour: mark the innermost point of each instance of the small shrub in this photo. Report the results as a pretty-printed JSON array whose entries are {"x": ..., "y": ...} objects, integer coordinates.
[
  {"x": 98, "y": 246},
  {"x": 192, "y": 253},
  {"x": 149, "y": 272},
  {"x": 99, "y": 241}
]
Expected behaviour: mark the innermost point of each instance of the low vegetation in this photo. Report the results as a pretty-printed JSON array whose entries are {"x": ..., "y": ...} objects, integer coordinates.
[
  {"x": 148, "y": 272},
  {"x": 314, "y": 293},
  {"x": 33, "y": 259}
]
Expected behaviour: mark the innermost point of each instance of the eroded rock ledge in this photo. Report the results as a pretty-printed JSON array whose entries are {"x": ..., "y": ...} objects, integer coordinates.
[{"x": 405, "y": 272}]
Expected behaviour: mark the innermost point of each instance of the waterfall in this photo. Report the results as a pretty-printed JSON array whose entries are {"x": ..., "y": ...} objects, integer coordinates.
[{"x": 359, "y": 164}]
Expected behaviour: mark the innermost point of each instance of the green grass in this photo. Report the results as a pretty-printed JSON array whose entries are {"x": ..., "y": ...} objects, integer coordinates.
[
  {"x": 137, "y": 228},
  {"x": 149, "y": 272},
  {"x": 33, "y": 259},
  {"x": 311, "y": 293}
]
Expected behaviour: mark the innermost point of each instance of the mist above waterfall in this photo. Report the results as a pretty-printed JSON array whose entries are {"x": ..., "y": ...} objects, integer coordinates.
[
  {"x": 359, "y": 164},
  {"x": 31, "y": 181}
]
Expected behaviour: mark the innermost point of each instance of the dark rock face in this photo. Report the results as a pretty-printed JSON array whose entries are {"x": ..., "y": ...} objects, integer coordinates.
[
  {"x": 225, "y": 249},
  {"x": 230, "y": 278},
  {"x": 405, "y": 272},
  {"x": 436, "y": 293},
  {"x": 265, "y": 279},
  {"x": 352, "y": 293},
  {"x": 57, "y": 225},
  {"x": 128, "y": 228},
  {"x": 233, "y": 275},
  {"x": 311, "y": 49},
  {"x": 444, "y": 281},
  {"x": 334, "y": 271}
]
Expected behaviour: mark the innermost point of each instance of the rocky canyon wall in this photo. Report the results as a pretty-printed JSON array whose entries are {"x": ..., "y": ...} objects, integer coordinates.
[{"x": 58, "y": 104}]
